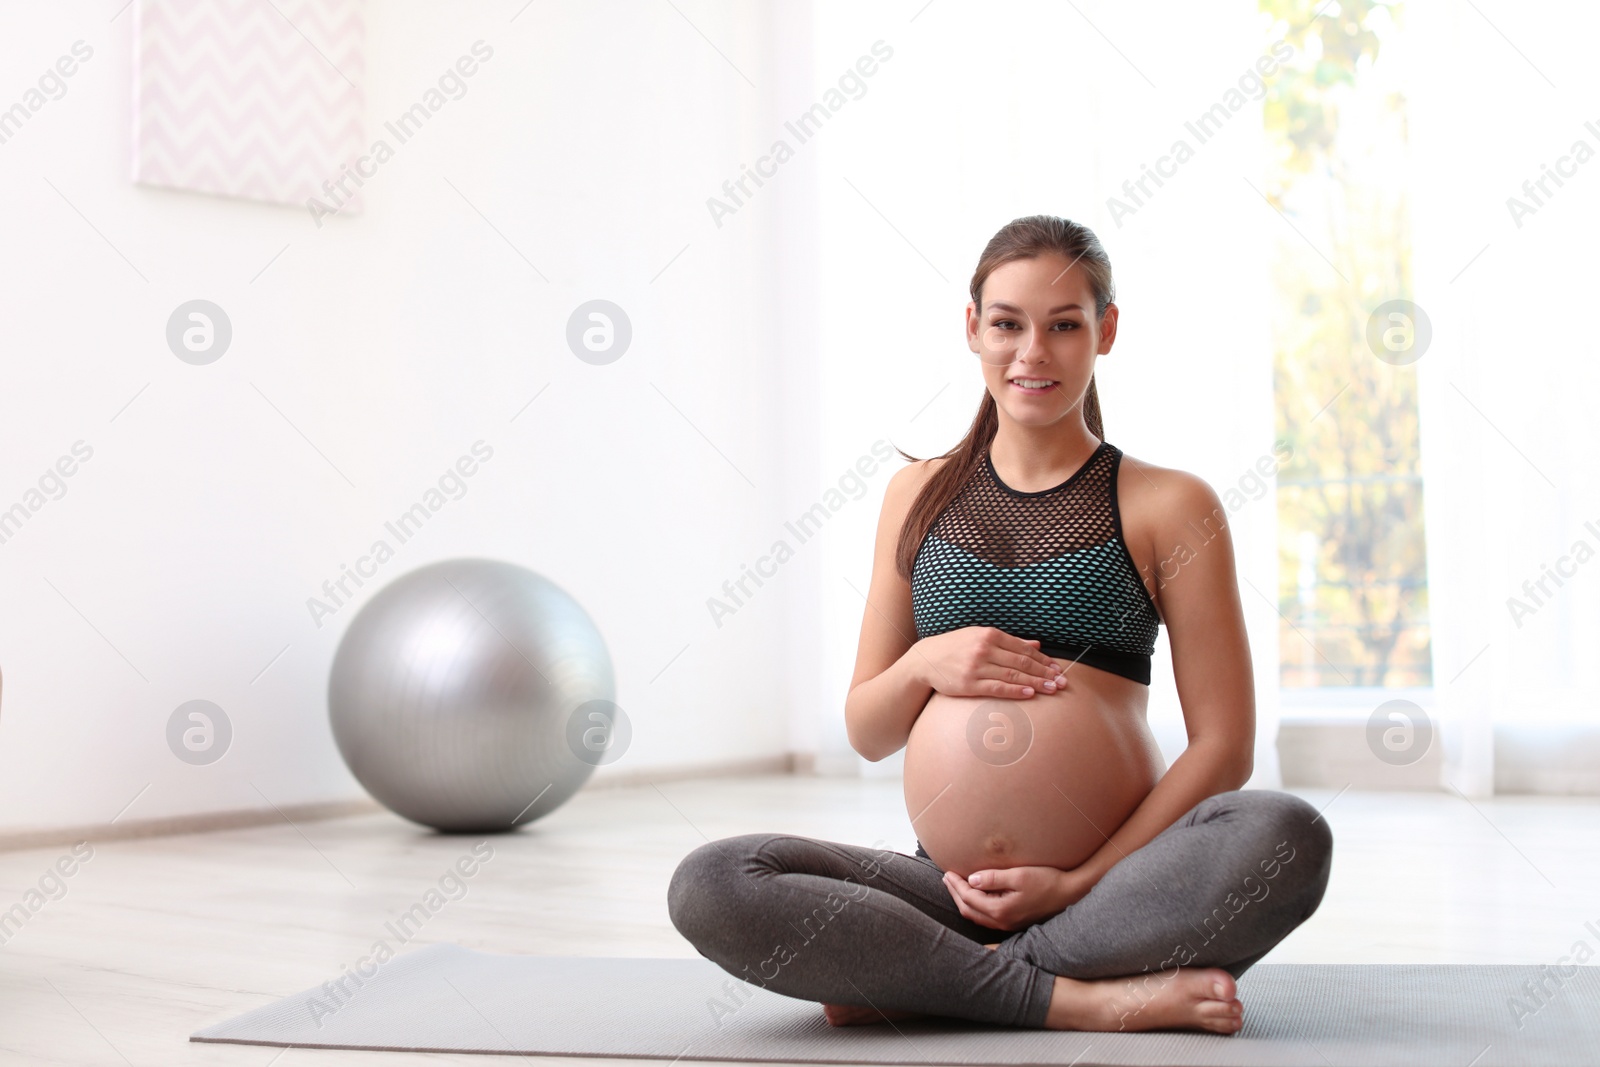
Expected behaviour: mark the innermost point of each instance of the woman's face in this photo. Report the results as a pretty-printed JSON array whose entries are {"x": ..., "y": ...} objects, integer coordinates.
[{"x": 1037, "y": 338}]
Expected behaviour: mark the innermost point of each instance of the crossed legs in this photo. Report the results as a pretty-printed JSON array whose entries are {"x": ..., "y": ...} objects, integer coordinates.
[{"x": 849, "y": 925}]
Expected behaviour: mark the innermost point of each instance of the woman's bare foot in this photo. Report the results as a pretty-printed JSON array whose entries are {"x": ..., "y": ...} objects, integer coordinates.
[
  {"x": 850, "y": 1015},
  {"x": 1181, "y": 999}
]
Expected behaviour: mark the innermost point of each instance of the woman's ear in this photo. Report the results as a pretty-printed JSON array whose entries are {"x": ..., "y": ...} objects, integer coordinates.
[
  {"x": 1108, "y": 329},
  {"x": 972, "y": 326}
]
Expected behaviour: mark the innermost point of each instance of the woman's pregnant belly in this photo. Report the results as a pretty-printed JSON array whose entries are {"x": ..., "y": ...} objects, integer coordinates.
[{"x": 993, "y": 783}]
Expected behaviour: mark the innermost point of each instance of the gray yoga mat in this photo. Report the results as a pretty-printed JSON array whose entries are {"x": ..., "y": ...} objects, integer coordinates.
[{"x": 445, "y": 998}]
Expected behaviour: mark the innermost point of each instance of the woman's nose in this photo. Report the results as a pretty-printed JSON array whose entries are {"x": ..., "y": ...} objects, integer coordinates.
[{"x": 1027, "y": 345}]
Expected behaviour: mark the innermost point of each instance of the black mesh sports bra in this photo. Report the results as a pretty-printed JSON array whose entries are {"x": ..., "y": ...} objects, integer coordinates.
[{"x": 1050, "y": 565}]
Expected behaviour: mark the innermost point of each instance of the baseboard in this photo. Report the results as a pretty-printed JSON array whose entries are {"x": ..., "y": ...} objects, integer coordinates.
[
  {"x": 202, "y": 822},
  {"x": 1548, "y": 759},
  {"x": 1529, "y": 759},
  {"x": 207, "y": 822},
  {"x": 783, "y": 763},
  {"x": 1324, "y": 754}
]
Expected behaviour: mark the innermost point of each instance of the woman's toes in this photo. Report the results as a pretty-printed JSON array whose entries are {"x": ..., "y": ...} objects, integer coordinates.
[
  {"x": 1224, "y": 1016},
  {"x": 1222, "y": 1007}
]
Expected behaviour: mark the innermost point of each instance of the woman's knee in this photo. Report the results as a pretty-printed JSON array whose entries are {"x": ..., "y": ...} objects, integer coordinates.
[
  {"x": 707, "y": 883},
  {"x": 1295, "y": 842}
]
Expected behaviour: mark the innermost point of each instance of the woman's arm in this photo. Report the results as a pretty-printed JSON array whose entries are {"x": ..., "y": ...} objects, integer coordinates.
[
  {"x": 889, "y": 689},
  {"x": 1198, "y": 597}
]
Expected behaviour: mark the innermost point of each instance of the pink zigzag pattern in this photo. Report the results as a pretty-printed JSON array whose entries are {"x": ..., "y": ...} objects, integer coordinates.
[
  {"x": 259, "y": 45},
  {"x": 237, "y": 27},
  {"x": 248, "y": 98},
  {"x": 187, "y": 19}
]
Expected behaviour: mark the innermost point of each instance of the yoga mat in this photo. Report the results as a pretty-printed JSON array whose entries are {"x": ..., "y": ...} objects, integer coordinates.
[{"x": 445, "y": 998}]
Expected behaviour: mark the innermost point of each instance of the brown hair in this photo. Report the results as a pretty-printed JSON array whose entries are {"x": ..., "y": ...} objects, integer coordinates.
[{"x": 1024, "y": 238}]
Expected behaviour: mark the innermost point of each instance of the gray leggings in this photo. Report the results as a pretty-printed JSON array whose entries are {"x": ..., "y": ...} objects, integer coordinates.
[{"x": 847, "y": 924}]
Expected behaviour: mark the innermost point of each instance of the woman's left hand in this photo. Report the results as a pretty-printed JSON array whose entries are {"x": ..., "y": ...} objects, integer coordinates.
[{"x": 1013, "y": 898}]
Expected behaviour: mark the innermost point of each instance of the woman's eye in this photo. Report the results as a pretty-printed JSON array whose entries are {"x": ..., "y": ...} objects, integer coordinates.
[{"x": 1007, "y": 324}]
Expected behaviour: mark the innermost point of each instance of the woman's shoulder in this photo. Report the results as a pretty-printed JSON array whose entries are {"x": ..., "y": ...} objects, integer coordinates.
[
  {"x": 909, "y": 480},
  {"x": 906, "y": 485},
  {"x": 1152, "y": 496}
]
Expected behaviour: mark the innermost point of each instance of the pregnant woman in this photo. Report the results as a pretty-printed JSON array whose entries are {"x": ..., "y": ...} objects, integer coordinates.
[{"x": 1064, "y": 876}]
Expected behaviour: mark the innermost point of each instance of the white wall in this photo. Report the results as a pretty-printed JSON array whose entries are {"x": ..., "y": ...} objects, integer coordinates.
[{"x": 178, "y": 563}]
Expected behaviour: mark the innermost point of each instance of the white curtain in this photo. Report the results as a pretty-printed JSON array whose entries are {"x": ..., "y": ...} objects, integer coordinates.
[{"x": 1510, "y": 445}]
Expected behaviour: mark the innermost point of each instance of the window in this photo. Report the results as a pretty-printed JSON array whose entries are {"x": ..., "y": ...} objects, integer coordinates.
[{"x": 1352, "y": 582}]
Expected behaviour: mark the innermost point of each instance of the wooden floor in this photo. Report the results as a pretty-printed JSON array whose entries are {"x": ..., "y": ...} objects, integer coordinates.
[{"x": 156, "y": 938}]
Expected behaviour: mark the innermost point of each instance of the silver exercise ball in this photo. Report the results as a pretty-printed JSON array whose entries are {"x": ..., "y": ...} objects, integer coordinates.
[{"x": 463, "y": 694}]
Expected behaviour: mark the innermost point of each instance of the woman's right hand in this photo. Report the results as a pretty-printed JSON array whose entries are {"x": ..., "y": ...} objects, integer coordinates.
[{"x": 981, "y": 661}]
